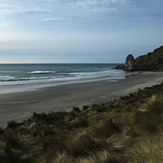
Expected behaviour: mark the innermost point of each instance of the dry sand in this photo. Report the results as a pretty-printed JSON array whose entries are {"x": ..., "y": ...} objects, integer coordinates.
[{"x": 19, "y": 106}]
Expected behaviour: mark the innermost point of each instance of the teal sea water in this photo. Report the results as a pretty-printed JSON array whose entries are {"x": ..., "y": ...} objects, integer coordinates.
[{"x": 21, "y": 74}]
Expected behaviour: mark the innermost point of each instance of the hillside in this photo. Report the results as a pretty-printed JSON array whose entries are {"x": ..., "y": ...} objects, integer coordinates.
[
  {"x": 152, "y": 61},
  {"x": 125, "y": 130}
]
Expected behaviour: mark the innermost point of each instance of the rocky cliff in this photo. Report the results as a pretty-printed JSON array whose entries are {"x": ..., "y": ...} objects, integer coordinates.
[{"x": 152, "y": 61}]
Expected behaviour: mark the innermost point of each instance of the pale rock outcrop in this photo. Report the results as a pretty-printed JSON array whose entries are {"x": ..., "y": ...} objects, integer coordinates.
[{"x": 130, "y": 63}]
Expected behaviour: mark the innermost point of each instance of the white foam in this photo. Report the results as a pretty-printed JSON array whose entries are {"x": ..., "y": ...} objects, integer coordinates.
[{"x": 41, "y": 72}]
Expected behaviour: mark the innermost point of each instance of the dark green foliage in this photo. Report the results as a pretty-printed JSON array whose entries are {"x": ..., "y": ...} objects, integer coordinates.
[
  {"x": 53, "y": 146},
  {"x": 50, "y": 118},
  {"x": 98, "y": 108},
  {"x": 12, "y": 139},
  {"x": 9, "y": 156},
  {"x": 78, "y": 122},
  {"x": 1, "y": 131},
  {"x": 151, "y": 61},
  {"x": 48, "y": 130},
  {"x": 76, "y": 109},
  {"x": 85, "y": 107},
  {"x": 12, "y": 124}
]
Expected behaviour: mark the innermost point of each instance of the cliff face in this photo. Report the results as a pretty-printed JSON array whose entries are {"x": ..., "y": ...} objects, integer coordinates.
[{"x": 152, "y": 61}]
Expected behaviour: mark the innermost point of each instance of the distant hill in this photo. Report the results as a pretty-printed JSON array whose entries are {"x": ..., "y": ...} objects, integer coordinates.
[{"x": 152, "y": 61}]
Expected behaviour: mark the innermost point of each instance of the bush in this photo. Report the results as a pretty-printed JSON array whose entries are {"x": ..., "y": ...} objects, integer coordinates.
[
  {"x": 12, "y": 124},
  {"x": 48, "y": 130},
  {"x": 85, "y": 107},
  {"x": 78, "y": 122},
  {"x": 1, "y": 130},
  {"x": 76, "y": 109},
  {"x": 11, "y": 139},
  {"x": 53, "y": 146},
  {"x": 9, "y": 156},
  {"x": 99, "y": 108}
]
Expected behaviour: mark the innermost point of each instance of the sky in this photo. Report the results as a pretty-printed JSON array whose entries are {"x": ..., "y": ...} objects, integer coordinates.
[{"x": 78, "y": 31}]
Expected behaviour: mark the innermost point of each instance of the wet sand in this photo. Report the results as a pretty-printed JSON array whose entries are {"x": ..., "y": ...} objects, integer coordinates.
[{"x": 19, "y": 106}]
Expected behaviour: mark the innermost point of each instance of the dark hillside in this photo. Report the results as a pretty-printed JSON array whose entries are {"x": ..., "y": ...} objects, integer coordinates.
[{"x": 152, "y": 61}]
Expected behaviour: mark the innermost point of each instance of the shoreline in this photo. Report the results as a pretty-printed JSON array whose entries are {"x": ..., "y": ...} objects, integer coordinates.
[
  {"x": 20, "y": 106},
  {"x": 26, "y": 87},
  {"x": 19, "y": 88}
]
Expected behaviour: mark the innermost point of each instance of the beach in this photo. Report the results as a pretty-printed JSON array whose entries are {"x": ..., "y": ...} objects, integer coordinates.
[{"x": 21, "y": 105}]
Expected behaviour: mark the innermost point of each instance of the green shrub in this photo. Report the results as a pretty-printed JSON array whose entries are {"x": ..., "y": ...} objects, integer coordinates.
[
  {"x": 12, "y": 124},
  {"x": 48, "y": 130},
  {"x": 9, "y": 156},
  {"x": 78, "y": 122},
  {"x": 76, "y": 109},
  {"x": 85, "y": 107},
  {"x": 53, "y": 146},
  {"x": 11, "y": 139},
  {"x": 1, "y": 131}
]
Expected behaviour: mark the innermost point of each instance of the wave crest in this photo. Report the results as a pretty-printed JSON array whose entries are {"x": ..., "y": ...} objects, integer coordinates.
[{"x": 41, "y": 72}]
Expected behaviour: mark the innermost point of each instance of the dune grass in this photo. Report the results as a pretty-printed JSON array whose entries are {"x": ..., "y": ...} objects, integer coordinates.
[{"x": 126, "y": 130}]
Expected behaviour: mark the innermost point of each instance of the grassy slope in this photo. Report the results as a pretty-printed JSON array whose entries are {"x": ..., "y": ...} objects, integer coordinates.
[{"x": 125, "y": 130}]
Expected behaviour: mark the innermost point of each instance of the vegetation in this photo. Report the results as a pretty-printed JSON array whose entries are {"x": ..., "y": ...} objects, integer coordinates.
[
  {"x": 125, "y": 130},
  {"x": 151, "y": 61}
]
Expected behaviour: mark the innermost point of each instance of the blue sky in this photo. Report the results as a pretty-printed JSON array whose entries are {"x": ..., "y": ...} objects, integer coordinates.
[{"x": 59, "y": 31}]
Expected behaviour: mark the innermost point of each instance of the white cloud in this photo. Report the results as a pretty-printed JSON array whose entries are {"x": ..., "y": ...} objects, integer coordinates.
[
  {"x": 9, "y": 8},
  {"x": 98, "y": 5},
  {"x": 52, "y": 19},
  {"x": 17, "y": 8}
]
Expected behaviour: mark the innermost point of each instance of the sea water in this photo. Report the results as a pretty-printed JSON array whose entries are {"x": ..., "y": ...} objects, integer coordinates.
[{"x": 56, "y": 74}]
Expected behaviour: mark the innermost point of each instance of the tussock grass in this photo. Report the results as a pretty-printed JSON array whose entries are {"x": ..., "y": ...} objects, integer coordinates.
[
  {"x": 84, "y": 145},
  {"x": 125, "y": 130},
  {"x": 154, "y": 105},
  {"x": 106, "y": 128},
  {"x": 100, "y": 157},
  {"x": 63, "y": 158},
  {"x": 78, "y": 122},
  {"x": 148, "y": 149}
]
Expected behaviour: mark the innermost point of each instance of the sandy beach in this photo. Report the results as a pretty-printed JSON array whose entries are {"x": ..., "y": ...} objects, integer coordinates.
[{"x": 19, "y": 106}]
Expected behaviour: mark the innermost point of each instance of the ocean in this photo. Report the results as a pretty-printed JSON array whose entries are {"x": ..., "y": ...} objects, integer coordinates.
[{"x": 56, "y": 74}]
